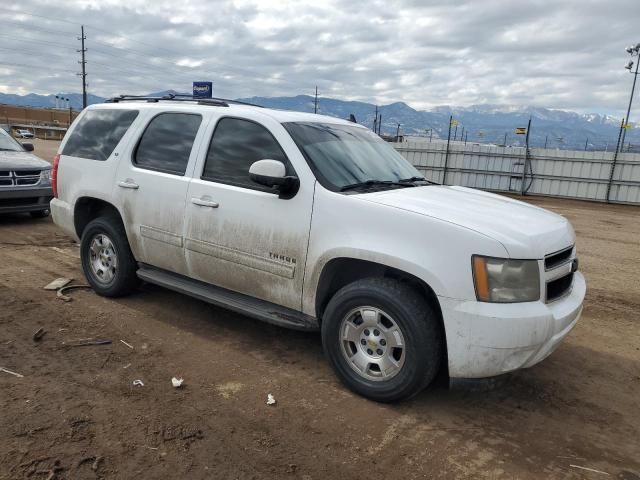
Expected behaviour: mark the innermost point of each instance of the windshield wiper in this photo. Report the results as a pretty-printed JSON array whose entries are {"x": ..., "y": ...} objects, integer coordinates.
[
  {"x": 374, "y": 183},
  {"x": 416, "y": 179}
]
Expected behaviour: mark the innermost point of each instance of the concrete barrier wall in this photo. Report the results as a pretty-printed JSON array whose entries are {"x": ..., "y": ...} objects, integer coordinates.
[{"x": 558, "y": 173}]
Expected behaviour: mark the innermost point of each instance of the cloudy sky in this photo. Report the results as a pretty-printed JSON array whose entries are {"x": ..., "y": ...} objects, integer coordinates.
[{"x": 559, "y": 53}]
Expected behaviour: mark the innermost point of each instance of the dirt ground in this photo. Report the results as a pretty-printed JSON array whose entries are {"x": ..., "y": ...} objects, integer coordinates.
[{"x": 76, "y": 414}]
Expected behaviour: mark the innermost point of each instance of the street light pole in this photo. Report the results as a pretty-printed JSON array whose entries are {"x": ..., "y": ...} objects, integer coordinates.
[{"x": 633, "y": 51}]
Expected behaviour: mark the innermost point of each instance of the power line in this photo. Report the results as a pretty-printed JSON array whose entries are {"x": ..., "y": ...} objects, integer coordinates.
[
  {"x": 29, "y": 28},
  {"x": 42, "y": 42},
  {"x": 30, "y": 66},
  {"x": 48, "y": 17}
]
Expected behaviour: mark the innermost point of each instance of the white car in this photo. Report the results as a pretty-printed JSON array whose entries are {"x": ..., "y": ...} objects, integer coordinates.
[
  {"x": 24, "y": 133},
  {"x": 312, "y": 222}
]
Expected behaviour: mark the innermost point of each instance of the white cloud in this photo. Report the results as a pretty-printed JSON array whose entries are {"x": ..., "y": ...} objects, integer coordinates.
[{"x": 565, "y": 54}]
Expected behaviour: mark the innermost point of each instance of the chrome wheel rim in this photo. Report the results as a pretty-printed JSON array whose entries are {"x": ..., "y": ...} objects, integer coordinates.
[
  {"x": 103, "y": 258},
  {"x": 372, "y": 343}
]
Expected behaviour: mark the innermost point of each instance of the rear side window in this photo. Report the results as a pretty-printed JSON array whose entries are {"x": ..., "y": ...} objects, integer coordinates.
[
  {"x": 235, "y": 145},
  {"x": 166, "y": 143},
  {"x": 98, "y": 132}
]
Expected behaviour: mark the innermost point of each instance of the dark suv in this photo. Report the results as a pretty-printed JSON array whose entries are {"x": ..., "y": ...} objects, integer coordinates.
[{"x": 25, "y": 180}]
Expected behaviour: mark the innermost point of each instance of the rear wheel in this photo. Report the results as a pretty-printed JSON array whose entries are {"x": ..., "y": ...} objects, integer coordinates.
[
  {"x": 40, "y": 213},
  {"x": 107, "y": 261},
  {"x": 382, "y": 338}
]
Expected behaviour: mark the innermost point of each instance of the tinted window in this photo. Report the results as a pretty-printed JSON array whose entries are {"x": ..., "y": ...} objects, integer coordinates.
[
  {"x": 235, "y": 145},
  {"x": 343, "y": 154},
  {"x": 98, "y": 132},
  {"x": 166, "y": 143}
]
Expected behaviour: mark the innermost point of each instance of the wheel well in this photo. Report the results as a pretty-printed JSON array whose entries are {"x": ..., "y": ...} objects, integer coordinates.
[
  {"x": 88, "y": 208},
  {"x": 340, "y": 272}
]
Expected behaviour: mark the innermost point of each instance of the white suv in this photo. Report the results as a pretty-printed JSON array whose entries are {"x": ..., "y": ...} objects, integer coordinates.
[{"x": 312, "y": 222}]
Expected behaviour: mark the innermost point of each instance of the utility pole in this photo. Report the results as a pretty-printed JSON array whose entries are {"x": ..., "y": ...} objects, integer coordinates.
[
  {"x": 83, "y": 62},
  {"x": 315, "y": 103},
  {"x": 546, "y": 137},
  {"x": 505, "y": 139},
  {"x": 398, "y": 133},
  {"x": 462, "y": 134},
  {"x": 586, "y": 144},
  {"x": 465, "y": 137},
  {"x": 455, "y": 133},
  {"x": 380, "y": 125}
]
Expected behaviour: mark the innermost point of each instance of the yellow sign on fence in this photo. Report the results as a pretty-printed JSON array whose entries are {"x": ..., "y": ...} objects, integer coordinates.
[
  {"x": 521, "y": 131},
  {"x": 454, "y": 123},
  {"x": 628, "y": 126}
]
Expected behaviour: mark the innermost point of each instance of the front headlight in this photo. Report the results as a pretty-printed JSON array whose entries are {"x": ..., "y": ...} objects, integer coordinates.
[
  {"x": 45, "y": 176},
  {"x": 504, "y": 280}
]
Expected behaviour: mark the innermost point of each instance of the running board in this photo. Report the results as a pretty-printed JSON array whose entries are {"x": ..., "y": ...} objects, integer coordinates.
[{"x": 252, "y": 307}]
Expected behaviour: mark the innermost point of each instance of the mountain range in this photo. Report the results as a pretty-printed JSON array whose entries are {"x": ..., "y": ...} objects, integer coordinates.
[{"x": 480, "y": 123}]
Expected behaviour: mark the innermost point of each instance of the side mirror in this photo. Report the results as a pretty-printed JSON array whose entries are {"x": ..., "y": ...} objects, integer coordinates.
[
  {"x": 272, "y": 173},
  {"x": 28, "y": 147}
]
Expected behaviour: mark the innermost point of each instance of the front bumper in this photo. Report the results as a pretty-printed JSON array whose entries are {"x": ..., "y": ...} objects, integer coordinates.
[
  {"x": 489, "y": 339},
  {"x": 20, "y": 200}
]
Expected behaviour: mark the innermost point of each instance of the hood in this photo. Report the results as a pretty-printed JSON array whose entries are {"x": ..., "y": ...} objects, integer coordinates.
[
  {"x": 524, "y": 230},
  {"x": 21, "y": 161}
]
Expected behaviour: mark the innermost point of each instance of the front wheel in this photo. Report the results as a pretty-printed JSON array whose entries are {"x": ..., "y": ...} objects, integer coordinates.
[
  {"x": 382, "y": 338},
  {"x": 107, "y": 260}
]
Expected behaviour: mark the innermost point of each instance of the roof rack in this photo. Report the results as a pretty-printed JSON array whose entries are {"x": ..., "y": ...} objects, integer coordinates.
[{"x": 215, "y": 102}]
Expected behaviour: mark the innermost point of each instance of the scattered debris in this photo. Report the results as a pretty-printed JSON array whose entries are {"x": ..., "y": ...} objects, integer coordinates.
[
  {"x": 589, "y": 469},
  {"x": 61, "y": 292},
  {"x": 58, "y": 283},
  {"x": 88, "y": 343},
  {"x": 127, "y": 344},
  {"x": 127, "y": 366},
  {"x": 37, "y": 336},
  {"x": 177, "y": 382},
  {"x": 271, "y": 400},
  {"x": 138, "y": 383},
  {"x": 2, "y": 369},
  {"x": 148, "y": 447},
  {"x": 106, "y": 360}
]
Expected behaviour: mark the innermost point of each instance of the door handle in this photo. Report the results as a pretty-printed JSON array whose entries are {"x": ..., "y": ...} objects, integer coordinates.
[
  {"x": 204, "y": 203},
  {"x": 129, "y": 184}
]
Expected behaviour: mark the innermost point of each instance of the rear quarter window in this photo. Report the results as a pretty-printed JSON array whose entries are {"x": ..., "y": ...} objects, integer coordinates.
[{"x": 98, "y": 133}]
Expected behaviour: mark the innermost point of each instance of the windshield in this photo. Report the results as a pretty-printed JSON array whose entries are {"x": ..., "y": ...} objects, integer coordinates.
[
  {"x": 7, "y": 143},
  {"x": 343, "y": 155}
]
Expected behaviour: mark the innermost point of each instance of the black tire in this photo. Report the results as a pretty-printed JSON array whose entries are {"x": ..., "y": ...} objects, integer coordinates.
[
  {"x": 125, "y": 280},
  {"x": 417, "y": 321},
  {"x": 40, "y": 213}
]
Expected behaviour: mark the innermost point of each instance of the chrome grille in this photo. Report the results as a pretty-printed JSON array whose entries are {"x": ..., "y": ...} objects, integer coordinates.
[
  {"x": 557, "y": 259},
  {"x": 558, "y": 275},
  {"x": 19, "y": 178}
]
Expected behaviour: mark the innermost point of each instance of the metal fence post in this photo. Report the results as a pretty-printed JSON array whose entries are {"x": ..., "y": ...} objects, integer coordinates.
[
  {"x": 615, "y": 159},
  {"x": 526, "y": 158},
  {"x": 446, "y": 155}
]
